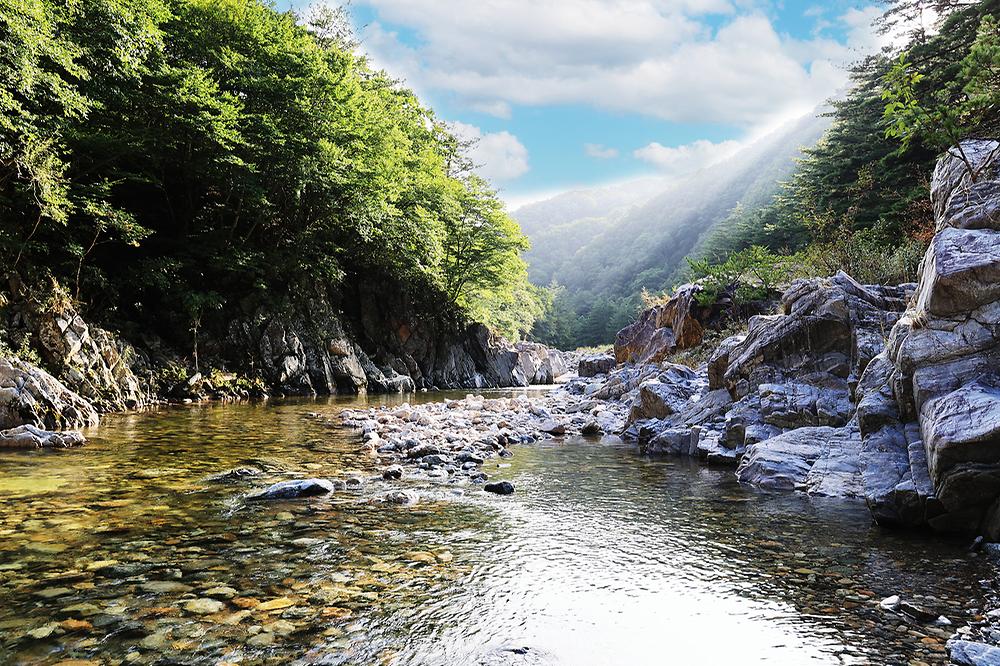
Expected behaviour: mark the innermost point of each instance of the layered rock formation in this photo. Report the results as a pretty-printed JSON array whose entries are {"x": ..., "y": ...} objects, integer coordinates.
[
  {"x": 930, "y": 412},
  {"x": 779, "y": 398},
  {"x": 29, "y": 395},
  {"x": 90, "y": 361},
  {"x": 886, "y": 393}
]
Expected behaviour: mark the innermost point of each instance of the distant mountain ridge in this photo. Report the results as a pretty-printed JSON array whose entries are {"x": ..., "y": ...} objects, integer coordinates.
[{"x": 606, "y": 245}]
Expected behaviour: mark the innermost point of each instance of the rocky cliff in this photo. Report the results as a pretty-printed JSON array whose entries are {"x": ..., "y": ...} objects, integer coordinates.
[
  {"x": 930, "y": 409},
  {"x": 378, "y": 342},
  {"x": 306, "y": 345},
  {"x": 887, "y": 393}
]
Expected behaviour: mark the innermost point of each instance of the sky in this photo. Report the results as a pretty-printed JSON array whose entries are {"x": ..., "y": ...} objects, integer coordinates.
[{"x": 563, "y": 94}]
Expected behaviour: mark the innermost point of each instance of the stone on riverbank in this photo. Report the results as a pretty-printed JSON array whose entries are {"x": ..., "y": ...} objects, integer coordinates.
[
  {"x": 30, "y": 437},
  {"x": 500, "y": 488},
  {"x": 971, "y": 653}
]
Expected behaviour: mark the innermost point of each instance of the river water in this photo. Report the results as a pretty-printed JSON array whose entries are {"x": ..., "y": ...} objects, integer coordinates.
[{"x": 122, "y": 552}]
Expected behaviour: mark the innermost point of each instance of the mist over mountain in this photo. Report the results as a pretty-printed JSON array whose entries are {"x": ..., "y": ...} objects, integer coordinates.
[{"x": 604, "y": 246}]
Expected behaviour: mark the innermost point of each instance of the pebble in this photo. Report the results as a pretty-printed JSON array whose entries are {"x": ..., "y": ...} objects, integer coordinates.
[{"x": 204, "y": 606}]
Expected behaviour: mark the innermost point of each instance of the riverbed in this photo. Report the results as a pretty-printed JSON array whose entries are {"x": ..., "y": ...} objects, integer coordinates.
[{"x": 124, "y": 551}]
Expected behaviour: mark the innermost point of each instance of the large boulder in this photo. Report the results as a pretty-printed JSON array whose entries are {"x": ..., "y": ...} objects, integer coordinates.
[
  {"x": 829, "y": 327},
  {"x": 662, "y": 329},
  {"x": 670, "y": 392},
  {"x": 31, "y": 396},
  {"x": 593, "y": 365},
  {"x": 540, "y": 364},
  {"x": 818, "y": 460}
]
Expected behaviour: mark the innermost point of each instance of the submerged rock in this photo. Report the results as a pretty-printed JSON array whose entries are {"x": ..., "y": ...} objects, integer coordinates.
[
  {"x": 500, "y": 488},
  {"x": 402, "y": 497},
  {"x": 517, "y": 656},
  {"x": 235, "y": 475},
  {"x": 293, "y": 489}
]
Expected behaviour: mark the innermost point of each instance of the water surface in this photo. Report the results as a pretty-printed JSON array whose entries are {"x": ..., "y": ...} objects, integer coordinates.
[{"x": 122, "y": 552}]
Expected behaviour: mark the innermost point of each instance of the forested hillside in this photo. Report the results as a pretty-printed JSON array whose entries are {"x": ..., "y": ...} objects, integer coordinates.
[
  {"x": 167, "y": 166},
  {"x": 602, "y": 261},
  {"x": 858, "y": 202}
]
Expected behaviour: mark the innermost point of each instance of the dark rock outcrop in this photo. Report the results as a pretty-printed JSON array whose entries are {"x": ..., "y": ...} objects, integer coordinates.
[
  {"x": 593, "y": 365},
  {"x": 380, "y": 344}
]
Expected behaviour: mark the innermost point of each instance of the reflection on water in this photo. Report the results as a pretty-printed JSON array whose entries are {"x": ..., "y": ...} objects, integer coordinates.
[{"x": 123, "y": 552}]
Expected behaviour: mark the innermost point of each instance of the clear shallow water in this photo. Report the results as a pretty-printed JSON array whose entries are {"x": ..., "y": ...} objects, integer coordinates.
[{"x": 121, "y": 551}]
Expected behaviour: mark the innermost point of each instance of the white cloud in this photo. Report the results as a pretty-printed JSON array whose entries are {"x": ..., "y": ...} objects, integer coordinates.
[
  {"x": 499, "y": 156},
  {"x": 687, "y": 158},
  {"x": 498, "y": 109},
  {"x": 652, "y": 57},
  {"x": 600, "y": 152}
]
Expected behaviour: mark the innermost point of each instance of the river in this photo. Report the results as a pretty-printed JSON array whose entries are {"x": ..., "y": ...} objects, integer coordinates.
[{"x": 122, "y": 552}]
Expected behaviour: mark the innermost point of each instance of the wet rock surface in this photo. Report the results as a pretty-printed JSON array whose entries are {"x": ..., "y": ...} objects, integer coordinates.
[{"x": 30, "y": 437}]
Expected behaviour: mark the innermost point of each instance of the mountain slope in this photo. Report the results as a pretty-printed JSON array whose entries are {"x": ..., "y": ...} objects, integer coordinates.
[{"x": 607, "y": 257}]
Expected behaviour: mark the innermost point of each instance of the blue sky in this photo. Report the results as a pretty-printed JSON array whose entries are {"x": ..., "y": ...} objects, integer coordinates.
[{"x": 569, "y": 93}]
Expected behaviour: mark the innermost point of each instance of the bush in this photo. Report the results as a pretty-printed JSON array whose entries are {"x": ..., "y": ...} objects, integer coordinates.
[{"x": 748, "y": 275}]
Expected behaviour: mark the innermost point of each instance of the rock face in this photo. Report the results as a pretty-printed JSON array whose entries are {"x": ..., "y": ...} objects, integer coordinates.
[
  {"x": 92, "y": 362},
  {"x": 308, "y": 353},
  {"x": 89, "y": 361},
  {"x": 930, "y": 409},
  {"x": 662, "y": 329},
  {"x": 31, "y": 396},
  {"x": 313, "y": 347},
  {"x": 829, "y": 328}
]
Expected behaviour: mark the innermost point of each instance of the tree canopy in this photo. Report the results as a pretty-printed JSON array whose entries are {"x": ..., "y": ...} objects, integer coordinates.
[{"x": 173, "y": 159}]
